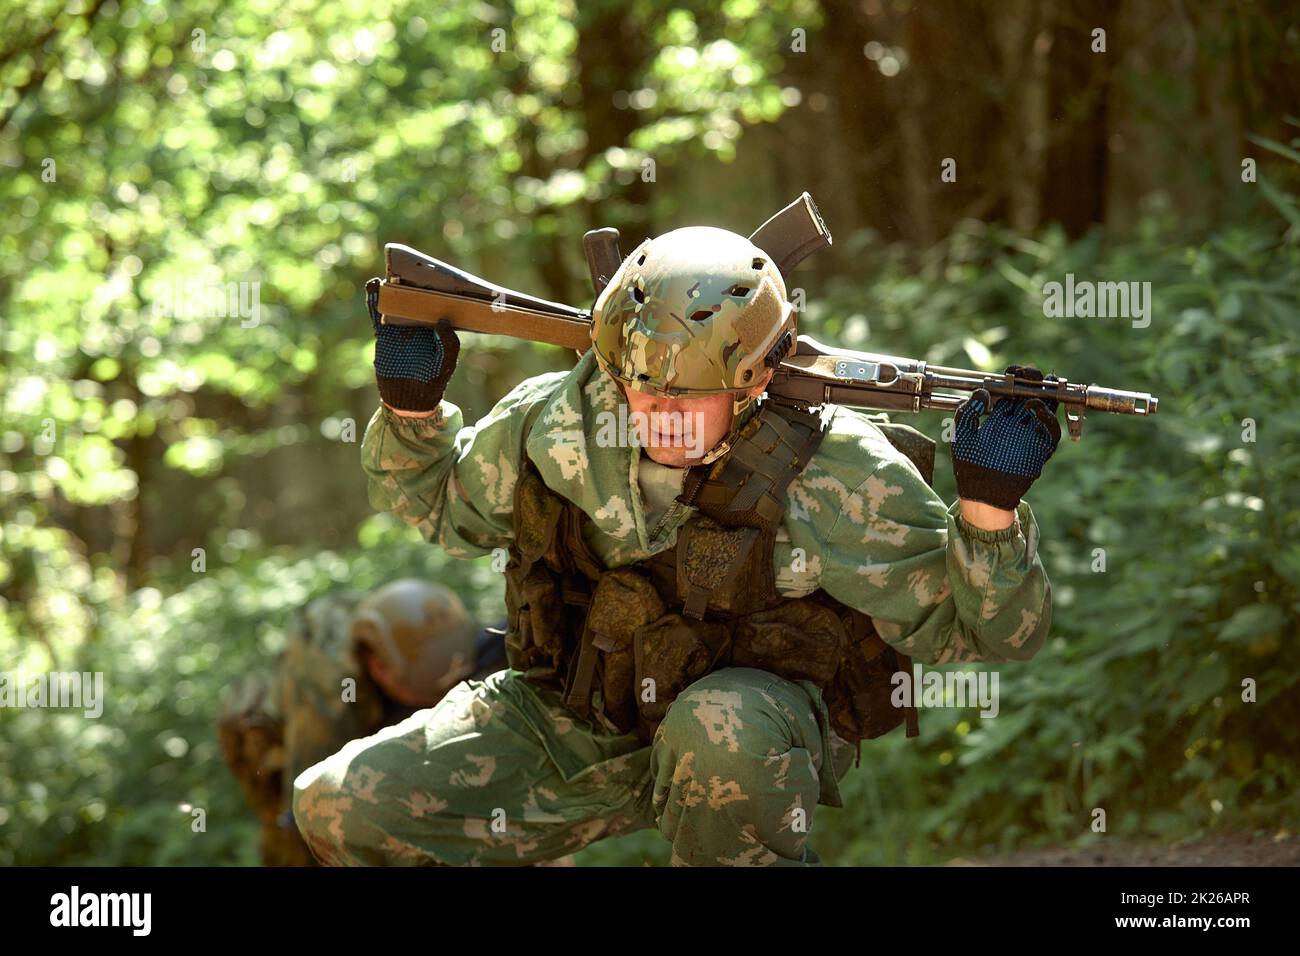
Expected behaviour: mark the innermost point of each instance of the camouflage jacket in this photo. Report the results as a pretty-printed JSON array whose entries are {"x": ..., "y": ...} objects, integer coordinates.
[{"x": 860, "y": 521}]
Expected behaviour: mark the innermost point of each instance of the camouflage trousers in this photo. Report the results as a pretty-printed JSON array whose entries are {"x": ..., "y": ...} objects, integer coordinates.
[{"x": 500, "y": 772}]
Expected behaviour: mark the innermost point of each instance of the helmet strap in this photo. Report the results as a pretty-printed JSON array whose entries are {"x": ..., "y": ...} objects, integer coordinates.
[{"x": 740, "y": 416}]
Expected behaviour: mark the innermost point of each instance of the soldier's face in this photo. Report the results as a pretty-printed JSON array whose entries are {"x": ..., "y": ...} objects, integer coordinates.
[{"x": 679, "y": 431}]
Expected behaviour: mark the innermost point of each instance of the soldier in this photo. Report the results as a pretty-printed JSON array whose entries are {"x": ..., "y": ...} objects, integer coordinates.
[
  {"x": 350, "y": 666},
  {"x": 703, "y": 620}
]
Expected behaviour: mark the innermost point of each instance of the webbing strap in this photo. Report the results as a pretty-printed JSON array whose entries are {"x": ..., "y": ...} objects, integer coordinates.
[
  {"x": 578, "y": 694},
  {"x": 748, "y": 486},
  {"x": 910, "y": 717},
  {"x": 746, "y": 489}
]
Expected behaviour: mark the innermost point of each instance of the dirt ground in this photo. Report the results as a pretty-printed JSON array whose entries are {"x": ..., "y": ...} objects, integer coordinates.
[{"x": 1281, "y": 849}]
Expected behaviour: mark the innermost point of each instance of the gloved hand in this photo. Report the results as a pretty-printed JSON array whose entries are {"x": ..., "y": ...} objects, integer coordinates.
[
  {"x": 996, "y": 460},
  {"x": 412, "y": 362}
]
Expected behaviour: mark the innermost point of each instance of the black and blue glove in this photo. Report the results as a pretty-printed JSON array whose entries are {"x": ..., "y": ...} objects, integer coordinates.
[
  {"x": 997, "y": 459},
  {"x": 412, "y": 362}
]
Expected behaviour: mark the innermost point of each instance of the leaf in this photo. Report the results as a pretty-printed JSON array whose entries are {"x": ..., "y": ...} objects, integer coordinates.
[
  {"x": 1251, "y": 622},
  {"x": 1209, "y": 678},
  {"x": 1283, "y": 203},
  {"x": 1276, "y": 147}
]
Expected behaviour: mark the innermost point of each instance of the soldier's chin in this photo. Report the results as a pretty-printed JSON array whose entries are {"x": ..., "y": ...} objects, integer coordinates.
[{"x": 675, "y": 457}]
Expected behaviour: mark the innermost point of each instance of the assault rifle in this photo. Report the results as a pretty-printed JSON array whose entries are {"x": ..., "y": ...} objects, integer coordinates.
[{"x": 420, "y": 290}]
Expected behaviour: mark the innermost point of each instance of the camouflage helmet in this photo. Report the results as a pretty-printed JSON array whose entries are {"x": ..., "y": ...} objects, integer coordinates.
[
  {"x": 421, "y": 632},
  {"x": 696, "y": 311}
]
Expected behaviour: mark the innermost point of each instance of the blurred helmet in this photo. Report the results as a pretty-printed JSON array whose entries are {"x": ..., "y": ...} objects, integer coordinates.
[
  {"x": 697, "y": 311},
  {"x": 422, "y": 634}
]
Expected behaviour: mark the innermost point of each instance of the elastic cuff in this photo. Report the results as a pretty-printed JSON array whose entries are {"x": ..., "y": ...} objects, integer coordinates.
[
  {"x": 969, "y": 531},
  {"x": 415, "y": 425}
]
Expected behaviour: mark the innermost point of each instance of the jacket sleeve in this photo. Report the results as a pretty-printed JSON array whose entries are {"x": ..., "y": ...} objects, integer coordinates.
[
  {"x": 453, "y": 483},
  {"x": 936, "y": 587}
]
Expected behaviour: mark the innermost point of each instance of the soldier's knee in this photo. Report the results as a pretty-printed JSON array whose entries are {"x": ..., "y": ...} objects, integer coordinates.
[
  {"x": 731, "y": 763},
  {"x": 319, "y": 802},
  {"x": 728, "y": 718}
]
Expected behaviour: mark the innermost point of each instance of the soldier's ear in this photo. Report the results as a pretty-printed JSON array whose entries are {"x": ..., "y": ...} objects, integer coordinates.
[
  {"x": 758, "y": 389},
  {"x": 377, "y": 670}
]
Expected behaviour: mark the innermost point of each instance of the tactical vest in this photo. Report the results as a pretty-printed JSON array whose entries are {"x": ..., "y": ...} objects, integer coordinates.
[{"x": 628, "y": 641}]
